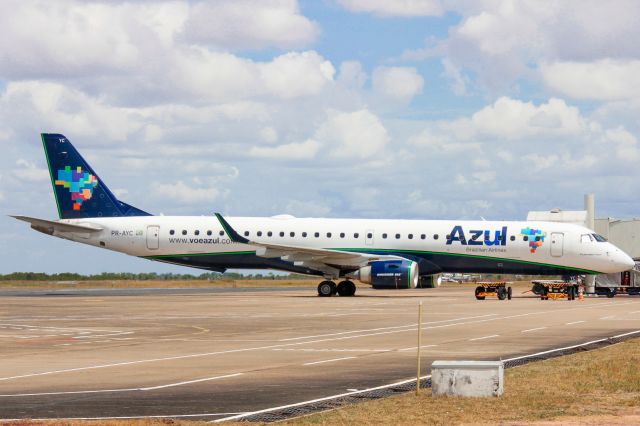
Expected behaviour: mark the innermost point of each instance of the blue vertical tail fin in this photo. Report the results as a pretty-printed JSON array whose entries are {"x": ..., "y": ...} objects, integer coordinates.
[{"x": 78, "y": 190}]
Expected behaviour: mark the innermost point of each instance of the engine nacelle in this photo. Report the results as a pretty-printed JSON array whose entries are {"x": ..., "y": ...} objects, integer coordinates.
[{"x": 390, "y": 274}]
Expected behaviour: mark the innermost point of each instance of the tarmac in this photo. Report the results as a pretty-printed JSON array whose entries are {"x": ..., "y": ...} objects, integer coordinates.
[{"x": 203, "y": 354}]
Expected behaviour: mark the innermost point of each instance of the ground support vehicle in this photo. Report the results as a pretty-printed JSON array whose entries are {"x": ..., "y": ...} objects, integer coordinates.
[
  {"x": 555, "y": 289},
  {"x": 627, "y": 282},
  {"x": 491, "y": 289}
]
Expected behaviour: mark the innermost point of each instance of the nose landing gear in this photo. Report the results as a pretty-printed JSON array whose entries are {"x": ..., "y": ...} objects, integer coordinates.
[{"x": 329, "y": 288}]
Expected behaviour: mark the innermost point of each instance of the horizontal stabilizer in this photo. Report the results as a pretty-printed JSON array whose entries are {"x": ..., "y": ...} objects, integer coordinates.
[{"x": 49, "y": 226}]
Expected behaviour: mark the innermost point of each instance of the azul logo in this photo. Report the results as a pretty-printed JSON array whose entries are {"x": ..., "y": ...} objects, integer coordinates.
[
  {"x": 478, "y": 237},
  {"x": 535, "y": 237},
  {"x": 80, "y": 184}
]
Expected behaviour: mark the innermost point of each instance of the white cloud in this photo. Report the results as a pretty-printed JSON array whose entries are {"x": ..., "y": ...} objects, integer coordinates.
[
  {"x": 29, "y": 172},
  {"x": 291, "y": 151},
  {"x": 501, "y": 42},
  {"x": 249, "y": 24},
  {"x": 605, "y": 79},
  {"x": 356, "y": 135},
  {"x": 387, "y": 8},
  {"x": 513, "y": 119},
  {"x": 352, "y": 75},
  {"x": 297, "y": 74},
  {"x": 397, "y": 83},
  {"x": 309, "y": 208},
  {"x": 190, "y": 193}
]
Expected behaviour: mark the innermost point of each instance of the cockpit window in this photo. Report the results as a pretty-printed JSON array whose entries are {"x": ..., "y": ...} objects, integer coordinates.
[
  {"x": 586, "y": 238},
  {"x": 599, "y": 238}
]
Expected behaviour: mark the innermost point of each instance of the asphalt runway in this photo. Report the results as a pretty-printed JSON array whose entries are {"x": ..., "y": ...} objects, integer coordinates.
[{"x": 201, "y": 354}]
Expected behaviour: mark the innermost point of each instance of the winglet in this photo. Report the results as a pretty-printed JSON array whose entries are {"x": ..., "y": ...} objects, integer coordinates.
[{"x": 233, "y": 235}]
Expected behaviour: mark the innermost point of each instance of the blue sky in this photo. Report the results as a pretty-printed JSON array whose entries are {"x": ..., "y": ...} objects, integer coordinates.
[{"x": 337, "y": 108}]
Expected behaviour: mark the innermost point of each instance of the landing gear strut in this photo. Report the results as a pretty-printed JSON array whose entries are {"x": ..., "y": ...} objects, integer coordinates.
[{"x": 329, "y": 288}]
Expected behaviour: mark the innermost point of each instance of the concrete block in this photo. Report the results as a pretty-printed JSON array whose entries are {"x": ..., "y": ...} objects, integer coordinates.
[{"x": 467, "y": 378}]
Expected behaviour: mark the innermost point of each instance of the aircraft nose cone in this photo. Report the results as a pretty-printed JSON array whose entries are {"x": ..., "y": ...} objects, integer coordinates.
[{"x": 627, "y": 261}]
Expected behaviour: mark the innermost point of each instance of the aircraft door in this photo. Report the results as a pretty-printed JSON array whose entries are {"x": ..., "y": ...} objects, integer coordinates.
[
  {"x": 153, "y": 237},
  {"x": 368, "y": 237},
  {"x": 557, "y": 244}
]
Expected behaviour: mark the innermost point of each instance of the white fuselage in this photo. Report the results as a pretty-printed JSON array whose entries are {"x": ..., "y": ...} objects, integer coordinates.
[{"x": 451, "y": 246}]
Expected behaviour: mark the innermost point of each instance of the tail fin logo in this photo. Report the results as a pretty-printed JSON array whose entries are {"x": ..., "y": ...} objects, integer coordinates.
[{"x": 80, "y": 184}]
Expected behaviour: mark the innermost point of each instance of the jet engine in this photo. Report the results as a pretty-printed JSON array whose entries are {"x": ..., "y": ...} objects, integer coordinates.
[{"x": 389, "y": 274}]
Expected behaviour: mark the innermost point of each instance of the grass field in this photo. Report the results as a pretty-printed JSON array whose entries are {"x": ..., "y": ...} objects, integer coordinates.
[{"x": 311, "y": 282}]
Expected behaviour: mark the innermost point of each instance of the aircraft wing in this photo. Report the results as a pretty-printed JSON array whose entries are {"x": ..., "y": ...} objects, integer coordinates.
[
  {"x": 49, "y": 226},
  {"x": 325, "y": 260}
]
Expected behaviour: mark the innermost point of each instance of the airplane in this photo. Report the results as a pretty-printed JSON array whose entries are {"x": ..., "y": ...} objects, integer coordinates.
[{"x": 386, "y": 254}]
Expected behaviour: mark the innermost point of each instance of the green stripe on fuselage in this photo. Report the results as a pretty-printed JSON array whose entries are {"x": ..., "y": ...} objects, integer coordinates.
[
  {"x": 475, "y": 256},
  {"x": 162, "y": 256}
]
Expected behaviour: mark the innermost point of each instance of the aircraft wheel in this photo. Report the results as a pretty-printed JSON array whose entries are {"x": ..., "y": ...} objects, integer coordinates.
[
  {"x": 611, "y": 293},
  {"x": 509, "y": 293},
  {"x": 326, "y": 289},
  {"x": 479, "y": 290},
  {"x": 502, "y": 293},
  {"x": 346, "y": 288}
]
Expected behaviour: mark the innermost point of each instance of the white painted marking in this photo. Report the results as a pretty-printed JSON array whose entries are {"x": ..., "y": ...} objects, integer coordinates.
[
  {"x": 328, "y": 350},
  {"x": 329, "y": 360},
  {"x": 150, "y": 388},
  {"x": 382, "y": 328},
  {"x": 607, "y": 317},
  {"x": 312, "y": 401},
  {"x": 484, "y": 337},
  {"x": 191, "y": 382},
  {"x": 328, "y": 398},
  {"x": 533, "y": 329},
  {"x": 575, "y": 322},
  {"x": 123, "y": 417},
  {"x": 352, "y": 390},
  {"x": 231, "y": 351},
  {"x": 415, "y": 347}
]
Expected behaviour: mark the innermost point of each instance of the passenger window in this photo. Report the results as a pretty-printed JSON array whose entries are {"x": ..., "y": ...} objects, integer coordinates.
[
  {"x": 328, "y": 234},
  {"x": 221, "y": 233},
  {"x": 537, "y": 238},
  {"x": 397, "y": 236},
  {"x": 196, "y": 232},
  {"x": 269, "y": 234},
  {"x": 525, "y": 238},
  {"x": 246, "y": 233},
  {"x": 292, "y": 234},
  {"x": 342, "y": 235},
  {"x": 423, "y": 237},
  {"x": 356, "y": 235},
  {"x": 184, "y": 232},
  {"x": 172, "y": 232},
  {"x": 369, "y": 235},
  {"x": 512, "y": 238},
  {"x": 209, "y": 233},
  {"x": 281, "y": 234},
  {"x": 435, "y": 236},
  {"x": 304, "y": 235},
  {"x": 317, "y": 234},
  {"x": 384, "y": 235},
  {"x": 410, "y": 236},
  {"x": 259, "y": 233}
]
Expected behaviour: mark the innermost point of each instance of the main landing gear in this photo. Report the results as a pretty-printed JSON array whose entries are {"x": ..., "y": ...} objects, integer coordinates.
[{"x": 329, "y": 288}]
